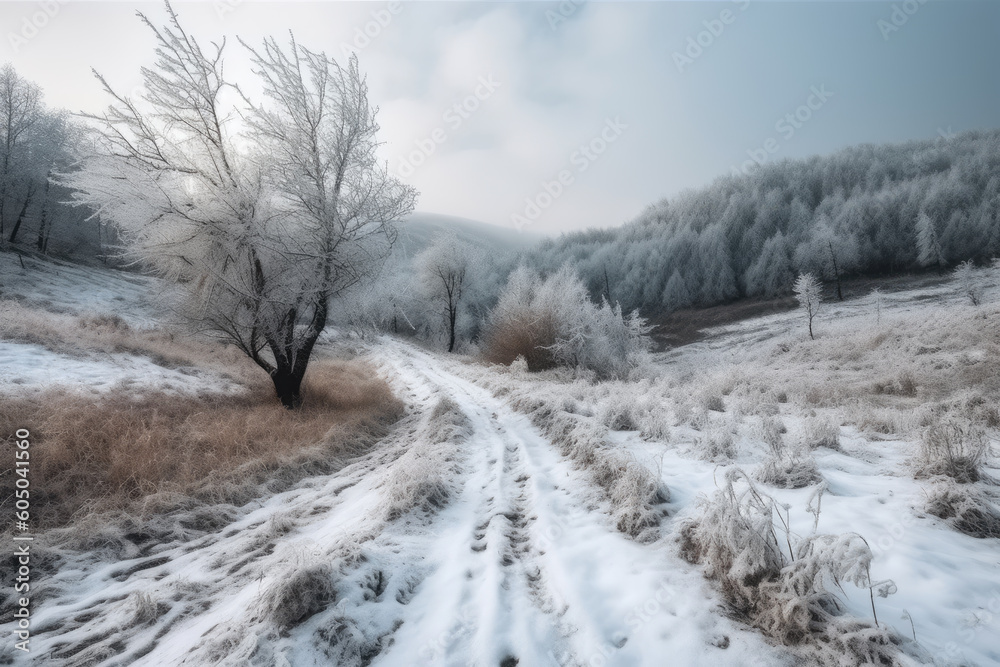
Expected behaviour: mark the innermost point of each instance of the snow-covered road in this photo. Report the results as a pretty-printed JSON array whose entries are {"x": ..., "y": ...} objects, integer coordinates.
[{"x": 506, "y": 557}]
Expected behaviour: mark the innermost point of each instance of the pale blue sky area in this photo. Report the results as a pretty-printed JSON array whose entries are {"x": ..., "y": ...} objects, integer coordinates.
[{"x": 536, "y": 81}]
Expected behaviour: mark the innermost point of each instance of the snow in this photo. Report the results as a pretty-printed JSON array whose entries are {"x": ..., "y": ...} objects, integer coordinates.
[
  {"x": 948, "y": 584},
  {"x": 58, "y": 288},
  {"x": 521, "y": 558},
  {"x": 61, "y": 287},
  {"x": 29, "y": 368},
  {"x": 517, "y": 563}
]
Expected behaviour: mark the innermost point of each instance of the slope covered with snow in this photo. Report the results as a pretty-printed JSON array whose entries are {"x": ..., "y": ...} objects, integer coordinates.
[{"x": 485, "y": 528}]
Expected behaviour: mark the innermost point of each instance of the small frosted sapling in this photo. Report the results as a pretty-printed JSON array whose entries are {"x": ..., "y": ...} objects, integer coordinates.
[{"x": 807, "y": 291}]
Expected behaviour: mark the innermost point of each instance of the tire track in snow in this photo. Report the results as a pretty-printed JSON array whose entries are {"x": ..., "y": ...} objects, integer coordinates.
[
  {"x": 525, "y": 572},
  {"x": 484, "y": 538}
]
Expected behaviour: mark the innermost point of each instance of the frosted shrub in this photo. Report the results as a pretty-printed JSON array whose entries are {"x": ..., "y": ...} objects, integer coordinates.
[
  {"x": 875, "y": 419},
  {"x": 554, "y": 322},
  {"x": 792, "y": 470},
  {"x": 717, "y": 444},
  {"x": 297, "y": 596},
  {"x": 700, "y": 418},
  {"x": 683, "y": 411},
  {"x": 734, "y": 539},
  {"x": 617, "y": 413},
  {"x": 771, "y": 431},
  {"x": 141, "y": 609},
  {"x": 904, "y": 385},
  {"x": 822, "y": 433},
  {"x": 969, "y": 282},
  {"x": 954, "y": 450},
  {"x": 785, "y": 467},
  {"x": 519, "y": 367},
  {"x": 517, "y": 327},
  {"x": 785, "y": 587},
  {"x": 653, "y": 419},
  {"x": 968, "y": 511},
  {"x": 632, "y": 489}
]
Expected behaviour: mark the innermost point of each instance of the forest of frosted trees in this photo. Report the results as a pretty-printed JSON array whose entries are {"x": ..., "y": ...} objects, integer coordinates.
[
  {"x": 867, "y": 210},
  {"x": 36, "y": 143}
]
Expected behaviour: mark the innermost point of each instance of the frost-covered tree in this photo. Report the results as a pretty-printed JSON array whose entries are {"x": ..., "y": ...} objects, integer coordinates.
[
  {"x": 260, "y": 228},
  {"x": 877, "y": 298},
  {"x": 827, "y": 254},
  {"x": 553, "y": 321},
  {"x": 772, "y": 273},
  {"x": 34, "y": 143},
  {"x": 676, "y": 294},
  {"x": 970, "y": 283},
  {"x": 45, "y": 151},
  {"x": 718, "y": 278},
  {"x": 21, "y": 113},
  {"x": 807, "y": 292},
  {"x": 442, "y": 270},
  {"x": 869, "y": 197},
  {"x": 388, "y": 304},
  {"x": 929, "y": 250}
]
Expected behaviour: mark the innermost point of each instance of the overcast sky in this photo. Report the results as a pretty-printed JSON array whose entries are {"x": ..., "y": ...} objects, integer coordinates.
[{"x": 663, "y": 96}]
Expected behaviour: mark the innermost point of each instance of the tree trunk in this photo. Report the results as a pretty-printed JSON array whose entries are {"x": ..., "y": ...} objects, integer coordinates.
[
  {"x": 20, "y": 217},
  {"x": 291, "y": 355},
  {"x": 288, "y": 386},
  {"x": 43, "y": 226},
  {"x": 836, "y": 272},
  {"x": 452, "y": 315},
  {"x": 40, "y": 241}
]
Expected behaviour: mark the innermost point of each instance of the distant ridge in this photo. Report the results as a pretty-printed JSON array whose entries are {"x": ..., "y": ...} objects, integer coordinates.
[
  {"x": 419, "y": 230},
  {"x": 868, "y": 210}
]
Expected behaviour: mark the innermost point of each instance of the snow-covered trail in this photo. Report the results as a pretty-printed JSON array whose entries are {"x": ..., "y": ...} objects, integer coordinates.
[
  {"x": 521, "y": 565},
  {"x": 527, "y": 567}
]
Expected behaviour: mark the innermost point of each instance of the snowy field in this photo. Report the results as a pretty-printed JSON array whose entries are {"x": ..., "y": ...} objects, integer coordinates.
[
  {"x": 37, "y": 296},
  {"x": 481, "y": 531}
]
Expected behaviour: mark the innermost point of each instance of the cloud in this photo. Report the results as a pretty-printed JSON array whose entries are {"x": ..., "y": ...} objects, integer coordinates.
[{"x": 560, "y": 81}]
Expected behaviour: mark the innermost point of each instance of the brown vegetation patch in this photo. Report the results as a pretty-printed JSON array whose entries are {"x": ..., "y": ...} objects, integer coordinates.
[
  {"x": 528, "y": 336},
  {"x": 109, "y": 452},
  {"x": 682, "y": 327}
]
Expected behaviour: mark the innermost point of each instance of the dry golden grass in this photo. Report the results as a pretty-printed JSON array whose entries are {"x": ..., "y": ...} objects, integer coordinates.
[
  {"x": 102, "y": 453},
  {"x": 527, "y": 337}
]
